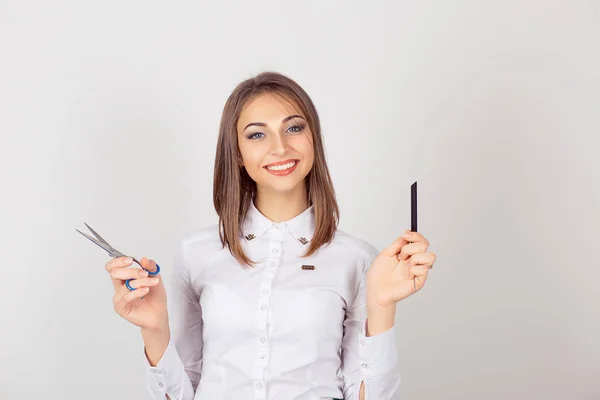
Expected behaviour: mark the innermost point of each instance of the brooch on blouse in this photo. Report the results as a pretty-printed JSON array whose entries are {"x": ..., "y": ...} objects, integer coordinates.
[
  {"x": 250, "y": 236},
  {"x": 309, "y": 267},
  {"x": 303, "y": 240}
]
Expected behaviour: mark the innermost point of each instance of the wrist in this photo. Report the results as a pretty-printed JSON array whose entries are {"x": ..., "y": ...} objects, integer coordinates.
[
  {"x": 156, "y": 337},
  {"x": 156, "y": 342},
  {"x": 380, "y": 318},
  {"x": 161, "y": 330},
  {"x": 158, "y": 327}
]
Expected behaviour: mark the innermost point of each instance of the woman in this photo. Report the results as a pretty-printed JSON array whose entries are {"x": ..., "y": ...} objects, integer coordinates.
[{"x": 273, "y": 302}]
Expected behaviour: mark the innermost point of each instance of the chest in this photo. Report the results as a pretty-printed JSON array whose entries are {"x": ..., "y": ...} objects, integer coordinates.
[{"x": 293, "y": 296}]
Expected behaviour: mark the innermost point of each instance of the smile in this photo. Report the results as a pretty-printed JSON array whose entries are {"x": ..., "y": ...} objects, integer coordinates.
[{"x": 280, "y": 169}]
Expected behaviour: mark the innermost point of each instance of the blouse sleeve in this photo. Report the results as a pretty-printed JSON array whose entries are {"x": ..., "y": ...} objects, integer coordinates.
[
  {"x": 373, "y": 359},
  {"x": 178, "y": 371}
]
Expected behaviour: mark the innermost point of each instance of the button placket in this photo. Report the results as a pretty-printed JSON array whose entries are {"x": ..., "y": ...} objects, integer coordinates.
[
  {"x": 259, "y": 390},
  {"x": 275, "y": 235}
]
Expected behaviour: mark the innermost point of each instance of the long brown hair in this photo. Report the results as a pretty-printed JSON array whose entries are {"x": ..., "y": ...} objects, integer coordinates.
[{"x": 233, "y": 188}]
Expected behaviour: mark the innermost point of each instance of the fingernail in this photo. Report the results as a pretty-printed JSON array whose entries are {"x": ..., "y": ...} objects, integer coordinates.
[
  {"x": 154, "y": 280},
  {"x": 128, "y": 260},
  {"x": 143, "y": 273},
  {"x": 407, "y": 233}
]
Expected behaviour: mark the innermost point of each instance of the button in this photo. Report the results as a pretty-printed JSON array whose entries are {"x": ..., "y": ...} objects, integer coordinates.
[
  {"x": 363, "y": 365},
  {"x": 272, "y": 263},
  {"x": 266, "y": 292},
  {"x": 161, "y": 385},
  {"x": 262, "y": 355},
  {"x": 277, "y": 227},
  {"x": 263, "y": 307},
  {"x": 259, "y": 385},
  {"x": 263, "y": 339},
  {"x": 274, "y": 251}
]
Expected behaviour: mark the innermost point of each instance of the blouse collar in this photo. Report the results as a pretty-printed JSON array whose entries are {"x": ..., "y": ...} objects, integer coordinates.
[{"x": 301, "y": 227}]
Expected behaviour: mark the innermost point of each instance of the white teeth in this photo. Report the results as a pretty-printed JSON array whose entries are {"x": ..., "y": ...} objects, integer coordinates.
[{"x": 282, "y": 167}]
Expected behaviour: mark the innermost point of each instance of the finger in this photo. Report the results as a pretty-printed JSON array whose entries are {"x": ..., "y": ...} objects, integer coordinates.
[
  {"x": 148, "y": 265},
  {"x": 419, "y": 271},
  {"x": 144, "y": 282},
  {"x": 419, "y": 275},
  {"x": 415, "y": 237},
  {"x": 395, "y": 247},
  {"x": 124, "y": 273},
  {"x": 425, "y": 259},
  {"x": 118, "y": 262},
  {"x": 115, "y": 264},
  {"x": 412, "y": 249},
  {"x": 127, "y": 298},
  {"x": 420, "y": 280}
]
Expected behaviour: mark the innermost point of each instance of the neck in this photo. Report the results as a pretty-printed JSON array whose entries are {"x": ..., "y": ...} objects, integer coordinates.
[{"x": 279, "y": 207}]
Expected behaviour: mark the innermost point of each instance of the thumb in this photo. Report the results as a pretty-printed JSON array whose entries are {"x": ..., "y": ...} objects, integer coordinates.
[
  {"x": 395, "y": 247},
  {"x": 148, "y": 265}
]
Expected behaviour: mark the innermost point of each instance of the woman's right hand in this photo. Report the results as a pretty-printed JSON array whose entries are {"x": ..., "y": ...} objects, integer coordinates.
[{"x": 149, "y": 313}]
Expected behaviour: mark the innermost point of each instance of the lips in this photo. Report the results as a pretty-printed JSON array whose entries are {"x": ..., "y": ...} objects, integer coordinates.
[
  {"x": 285, "y": 167},
  {"x": 279, "y": 163}
]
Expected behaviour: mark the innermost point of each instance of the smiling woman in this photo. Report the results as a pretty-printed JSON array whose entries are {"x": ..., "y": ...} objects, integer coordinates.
[
  {"x": 270, "y": 149},
  {"x": 274, "y": 302}
]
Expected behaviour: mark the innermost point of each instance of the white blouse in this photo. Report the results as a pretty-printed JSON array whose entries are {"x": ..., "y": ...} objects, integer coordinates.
[{"x": 289, "y": 328}]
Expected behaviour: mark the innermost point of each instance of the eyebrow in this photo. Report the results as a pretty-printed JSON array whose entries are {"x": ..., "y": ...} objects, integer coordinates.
[{"x": 286, "y": 119}]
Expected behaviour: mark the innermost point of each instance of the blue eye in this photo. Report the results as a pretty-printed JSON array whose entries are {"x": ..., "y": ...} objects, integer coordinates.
[
  {"x": 253, "y": 136},
  {"x": 296, "y": 128},
  {"x": 260, "y": 135}
]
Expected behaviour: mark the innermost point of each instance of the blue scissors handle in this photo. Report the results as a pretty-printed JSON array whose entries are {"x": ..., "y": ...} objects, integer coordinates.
[{"x": 150, "y": 273}]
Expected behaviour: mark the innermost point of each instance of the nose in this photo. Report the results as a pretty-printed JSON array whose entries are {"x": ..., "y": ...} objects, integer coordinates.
[{"x": 278, "y": 145}]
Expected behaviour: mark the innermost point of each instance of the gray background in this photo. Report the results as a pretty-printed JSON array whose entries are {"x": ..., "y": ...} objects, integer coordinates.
[{"x": 109, "y": 114}]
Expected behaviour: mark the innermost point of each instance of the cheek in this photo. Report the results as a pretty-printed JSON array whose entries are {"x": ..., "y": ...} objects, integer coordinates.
[
  {"x": 309, "y": 153},
  {"x": 305, "y": 147},
  {"x": 253, "y": 168},
  {"x": 249, "y": 156},
  {"x": 252, "y": 158}
]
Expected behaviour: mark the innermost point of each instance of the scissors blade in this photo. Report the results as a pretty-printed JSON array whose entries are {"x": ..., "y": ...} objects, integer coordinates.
[
  {"x": 105, "y": 246},
  {"x": 97, "y": 236}
]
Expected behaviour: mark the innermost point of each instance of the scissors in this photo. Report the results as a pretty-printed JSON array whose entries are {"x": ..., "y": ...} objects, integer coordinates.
[{"x": 115, "y": 253}]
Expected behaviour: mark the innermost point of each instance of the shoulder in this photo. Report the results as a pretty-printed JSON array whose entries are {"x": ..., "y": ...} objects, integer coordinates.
[
  {"x": 356, "y": 247},
  {"x": 204, "y": 236},
  {"x": 202, "y": 242}
]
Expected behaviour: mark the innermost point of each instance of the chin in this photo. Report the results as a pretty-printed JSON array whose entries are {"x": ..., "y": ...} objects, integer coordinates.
[
  {"x": 279, "y": 185},
  {"x": 282, "y": 188}
]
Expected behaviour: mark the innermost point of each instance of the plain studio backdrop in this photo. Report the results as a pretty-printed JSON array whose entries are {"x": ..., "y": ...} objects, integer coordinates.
[{"x": 109, "y": 114}]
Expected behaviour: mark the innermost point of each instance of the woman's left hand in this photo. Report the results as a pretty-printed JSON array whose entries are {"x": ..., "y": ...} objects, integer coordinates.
[{"x": 400, "y": 270}]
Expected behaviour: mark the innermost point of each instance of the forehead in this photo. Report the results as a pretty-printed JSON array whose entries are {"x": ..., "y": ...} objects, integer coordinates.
[{"x": 267, "y": 107}]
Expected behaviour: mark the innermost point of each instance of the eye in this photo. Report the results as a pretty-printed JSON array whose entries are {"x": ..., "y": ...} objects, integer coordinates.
[
  {"x": 296, "y": 128},
  {"x": 254, "y": 136}
]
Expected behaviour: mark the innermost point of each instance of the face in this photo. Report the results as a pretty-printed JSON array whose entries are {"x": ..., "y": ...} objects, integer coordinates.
[{"x": 275, "y": 143}]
